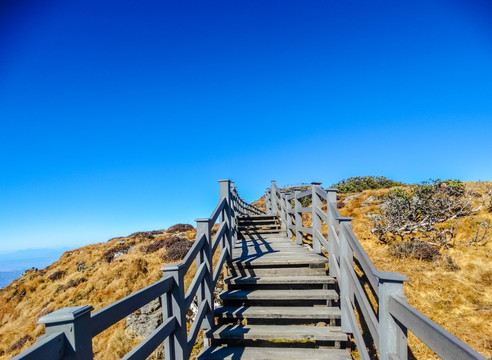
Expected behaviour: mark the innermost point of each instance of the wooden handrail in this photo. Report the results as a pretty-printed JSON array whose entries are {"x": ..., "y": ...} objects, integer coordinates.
[{"x": 442, "y": 342}]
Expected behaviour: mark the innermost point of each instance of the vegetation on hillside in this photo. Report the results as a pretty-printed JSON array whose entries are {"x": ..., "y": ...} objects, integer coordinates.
[
  {"x": 96, "y": 275},
  {"x": 361, "y": 183},
  {"x": 430, "y": 213},
  {"x": 451, "y": 284}
]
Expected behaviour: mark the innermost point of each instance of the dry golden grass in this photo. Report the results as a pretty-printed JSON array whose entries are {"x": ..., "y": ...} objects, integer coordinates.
[
  {"x": 105, "y": 283},
  {"x": 459, "y": 301}
]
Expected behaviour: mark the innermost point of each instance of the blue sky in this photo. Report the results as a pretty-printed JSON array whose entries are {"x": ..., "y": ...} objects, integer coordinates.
[{"x": 120, "y": 116}]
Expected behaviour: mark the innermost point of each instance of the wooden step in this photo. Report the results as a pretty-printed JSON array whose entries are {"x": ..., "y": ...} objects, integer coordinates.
[
  {"x": 258, "y": 221},
  {"x": 278, "y": 332},
  {"x": 277, "y": 259},
  {"x": 256, "y": 217},
  {"x": 260, "y": 231},
  {"x": 271, "y": 272},
  {"x": 302, "y": 294},
  {"x": 273, "y": 280},
  {"x": 278, "y": 312},
  {"x": 265, "y": 353}
]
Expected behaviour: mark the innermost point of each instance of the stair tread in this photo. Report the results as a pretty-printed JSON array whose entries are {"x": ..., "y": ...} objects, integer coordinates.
[
  {"x": 264, "y": 353},
  {"x": 278, "y": 312},
  {"x": 303, "y": 279},
  {"x": 302, "y": 294},
  {"x": 278, "y": 332}
]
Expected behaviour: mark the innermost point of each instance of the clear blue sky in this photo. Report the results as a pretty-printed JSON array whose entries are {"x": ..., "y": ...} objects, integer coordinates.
[{"x": 120, "y": 116}]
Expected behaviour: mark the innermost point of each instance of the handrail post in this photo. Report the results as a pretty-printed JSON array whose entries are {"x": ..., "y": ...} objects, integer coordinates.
[
  {"x": 316, "y": 221},
  {"x": 283, "y": 211},
  {"x": 331, "y": 199},
  {"x": 288, "y": 218},
  {"x": 234, "y": 214},
  {"x": 175, "y": 345},
  {"x": 268, "y": 199},
  {"x": 75, "y": 322},
  {"x": 225, "y": 192},
  {"x": 298, "y": 217},
  {"x": 274, "y": 198},
  {"x": 205, "y": 291},
  {"x": 346, "y": 290},
  {"x": 392, "y": 334}
]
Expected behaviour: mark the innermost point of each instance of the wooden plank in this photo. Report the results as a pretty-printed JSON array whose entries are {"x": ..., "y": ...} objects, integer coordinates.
[
  {"x": 150, "y": 343},
  {"x": 278, "y": 312},
  {"x": 279, "y": 332},
  {"x": 47, "y": 347},
  {"x": 443, "y": 343},
  {"x": 303, "y": 279},
  {"x": 111, "y": 314},
  {"x": 311, "y": 294},
  {"x": 354, "y": 325},
  {"x": 263, "y": 353}
]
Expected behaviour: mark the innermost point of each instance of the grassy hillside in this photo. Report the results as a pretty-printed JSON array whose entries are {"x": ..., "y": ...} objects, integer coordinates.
[
  {"x": 96, "y": 275},
  {"x": 458, "y": 298}
]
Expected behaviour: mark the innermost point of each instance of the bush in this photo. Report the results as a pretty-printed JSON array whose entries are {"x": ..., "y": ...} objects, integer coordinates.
[
  {"x": 159, "y": 244},
  {"x": 361, "y": 183},
  {"x": 57, "y": 275},
  {"x": 70, "y": 284},
  {"x": 177, "y": 250},
  {"x": 116, "y": 252},
  {"x": 306, "y": 201},
  {"x": 142, "y": 235},
  {"x": 180, "y": 228},
  {"x": 416, "y": 249},
  {"x": 425, "y": 212}
]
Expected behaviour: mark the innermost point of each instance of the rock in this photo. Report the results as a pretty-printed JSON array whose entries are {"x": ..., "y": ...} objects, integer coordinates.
[
  {"x": 350, "y": 197},
  {"x": 145, "y": 320},
  {"x": 369, "y": 200},
  {"x": 81, "y": 267},
  {"x": 122, "y": 251},
  {"x": 29, "y": 270},
  {"x": 122, "y": 242}
]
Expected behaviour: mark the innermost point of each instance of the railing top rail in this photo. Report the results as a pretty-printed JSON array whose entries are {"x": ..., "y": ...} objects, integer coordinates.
[{"x": 442, "y": 342}]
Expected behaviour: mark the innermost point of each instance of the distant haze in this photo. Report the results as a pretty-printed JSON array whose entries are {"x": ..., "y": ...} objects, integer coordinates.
[{"x": 13, "y": 264}]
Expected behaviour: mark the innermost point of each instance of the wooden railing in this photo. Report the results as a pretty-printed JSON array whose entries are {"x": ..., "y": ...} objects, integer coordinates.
[
  {"x": 376, "y": 296},
  {"x": 69, "y": 331}
]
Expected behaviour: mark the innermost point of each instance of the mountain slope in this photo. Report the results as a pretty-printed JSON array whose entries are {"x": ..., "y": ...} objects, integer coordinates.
[{"x": 96, "y": 275}]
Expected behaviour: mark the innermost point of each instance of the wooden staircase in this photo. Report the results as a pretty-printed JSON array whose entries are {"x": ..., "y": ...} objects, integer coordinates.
[{"x": 278, "y": 302}]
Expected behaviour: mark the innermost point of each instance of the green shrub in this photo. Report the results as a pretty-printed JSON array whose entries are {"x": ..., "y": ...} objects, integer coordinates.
[{"x": 361, "y": 183}]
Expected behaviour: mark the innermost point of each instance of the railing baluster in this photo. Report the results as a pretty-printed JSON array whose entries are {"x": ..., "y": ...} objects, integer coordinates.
[
  {"x": 274, "y": 198},
  {"x": 283, "y": 210},
  {"x": 331, "y": 199},
  {"x": 176, "y": 345},
  {"x": 316, "y": 221},
  {"x": 298, "y": 217},
  {"x": 205, "y": 291},
  {"x": 346, "y": 290},
  {"x": 225, "y": 192},
  {"x": 392, "y": 335}
]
